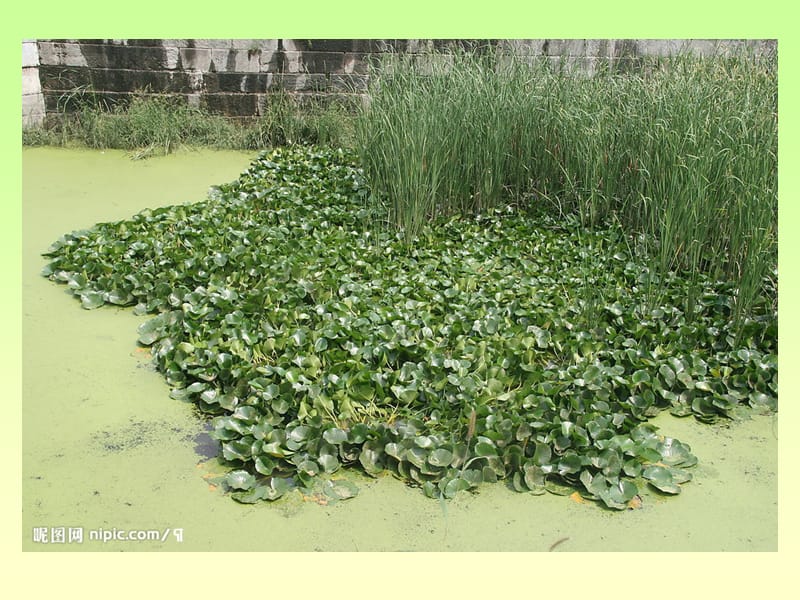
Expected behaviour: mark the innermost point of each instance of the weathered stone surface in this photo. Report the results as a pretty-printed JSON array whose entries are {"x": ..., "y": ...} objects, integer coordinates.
[
  {"x": 195, "y": 59},
  {"x": 238, "y": 75},
  {"x": 33, "y": 110},
  {"x": 356, "y": 63},
  {"x": 61, "y": 53},
  {"x": 232, "y": 60},
  {"x": 230, "y": 104},
  {"x": 172, "y": 57},
  {"x": 30, "y": 54},
  {"x": 113, "y": 80},
  {"x": 30, "y": 81},
  {"x": 301, "y": 82},
  {"x": 322, "y": 62},
  {"x": 248, "y": 83}
]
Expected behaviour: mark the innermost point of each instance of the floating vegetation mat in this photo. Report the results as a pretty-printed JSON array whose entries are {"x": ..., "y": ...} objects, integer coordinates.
[{"x": 504, "y": 347}]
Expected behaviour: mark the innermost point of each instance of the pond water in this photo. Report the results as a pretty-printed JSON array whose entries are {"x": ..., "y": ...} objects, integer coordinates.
[{"x": 105, "y": 448}]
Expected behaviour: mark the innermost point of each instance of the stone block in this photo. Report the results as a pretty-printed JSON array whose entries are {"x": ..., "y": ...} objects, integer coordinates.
[
  {"x": 300, "y": 82},
  {"x": 30, "y": 54},
  {"x": 236, "y": 105},
  {"x": 61, "y": 53},
  {"x": 113, "y": 80},
  {"x": 322, "y": 62},
  {"x": 231, "y": 60},
  {"x": 317, "y": 45},
  {"x": 705, "y": 47},
  {"x": 564, "y": 47},
  {"x": 238, "y": 82},
  {"x": 270, "y": 61},
  {"x": 127, "y": 56},
  {"x": 524, "y": 48},
  {"x": 174, "y": 43},
  {"x": 268, "y": 45},
  {"x": 662, "y": 47},
  {"x": 599, "y": 48},
  {"x": 30, "y": 81},
  {"x": 195, "y": 80},
  {"x": 253, "y": 45},
  {"x": 195, "y": 59},
  {"x": 172, "y": 57},
  {"x": 356, "y": 63},
  {"x": 290, "y": 61},
  {"x": 33, "y": 110}
]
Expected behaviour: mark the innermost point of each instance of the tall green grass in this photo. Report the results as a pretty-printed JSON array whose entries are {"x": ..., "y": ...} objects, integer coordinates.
[
  {"x": 151, "y": 124},
  {"x": 682, "y": 150}
]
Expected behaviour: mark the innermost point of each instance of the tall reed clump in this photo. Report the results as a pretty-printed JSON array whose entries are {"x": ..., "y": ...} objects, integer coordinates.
[
  {"x": 682, "y": 150},
  {"x": 435, "y": 135}
]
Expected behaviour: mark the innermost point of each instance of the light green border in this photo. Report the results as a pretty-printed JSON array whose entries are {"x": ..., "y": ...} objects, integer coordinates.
[{"x": 351, "y": 576}]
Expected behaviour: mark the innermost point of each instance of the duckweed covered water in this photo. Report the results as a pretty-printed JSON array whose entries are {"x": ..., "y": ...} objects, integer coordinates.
[{"x": 105, "y": 447}]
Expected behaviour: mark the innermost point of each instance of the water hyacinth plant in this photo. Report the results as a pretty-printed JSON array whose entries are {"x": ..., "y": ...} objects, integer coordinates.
[{"x": 318, "y": 342}]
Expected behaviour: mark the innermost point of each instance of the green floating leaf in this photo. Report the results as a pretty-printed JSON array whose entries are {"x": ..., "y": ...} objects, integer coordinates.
[
  {"x": 417, "y": 457},
  {"x": 329, "y": 463},
  {"x": 440, "y": 457},
  {"x": 534, "y": 478},
  {"x": 252, "y": 496},
  {"x": 278, "y": 486},
  {"x": 370, "y": 460},
  {"x": 236, "y": 450},
  {"x": 569, "y": 463},
  {"x": 265, "y": 465},
  {"x": 677, "y": 454},
  {"x": 485, "y": 449},
  {"x": 240, "y": 480},
  {"x": 335, "y": 436},
  {"x": 661, "y": 479},
  {"x": 668, "y": 375},
  {"x": 557, "y": 487},
  {"x": 340, "y": 489},
  {"x": 543, "y": 454},
  {"x": 453, "y": 486}
]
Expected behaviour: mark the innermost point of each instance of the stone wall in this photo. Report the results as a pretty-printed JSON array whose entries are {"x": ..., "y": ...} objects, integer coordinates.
[
  {"x": 32, "y": 97},
  {"x": 236, "y": 76}
]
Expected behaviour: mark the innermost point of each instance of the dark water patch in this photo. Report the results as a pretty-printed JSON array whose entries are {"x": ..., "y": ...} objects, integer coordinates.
[
  {"x": 137, "y": 434},
  {"x": 204, "y": 445}
]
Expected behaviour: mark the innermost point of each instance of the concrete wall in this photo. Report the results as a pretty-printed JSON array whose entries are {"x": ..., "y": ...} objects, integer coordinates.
[{"x": 236, "y": 76}]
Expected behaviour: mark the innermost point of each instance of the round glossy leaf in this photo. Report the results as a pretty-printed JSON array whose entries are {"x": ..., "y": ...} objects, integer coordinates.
[
  {"x": 416, "y": 456},
  {"x": 91, "y": 300},
  {"x": 264, "y": 465},
  {"x": 252, "y": 496},
  {"x": 329, "y": 463},
  {"x": 455, "y": 485},
  {"x": 661, "y": 479},
  {"x": 676, "y": 453},
  {"x": 340, "y": 489},
  {"x": 440, "y": 457},
  {"x": 240, "y": 480},
  {"x": 485, "y": 449},
  {"x": 335, "y": 435}
]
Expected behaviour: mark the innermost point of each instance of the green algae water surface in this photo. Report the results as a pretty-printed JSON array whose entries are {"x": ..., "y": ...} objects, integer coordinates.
[{"x": 111, "y": 462}]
